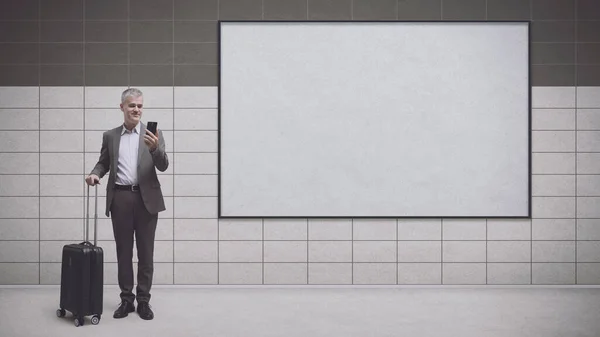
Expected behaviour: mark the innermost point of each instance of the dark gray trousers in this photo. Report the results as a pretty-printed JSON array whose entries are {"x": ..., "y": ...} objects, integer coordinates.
[{"x": 130, "y": 217}]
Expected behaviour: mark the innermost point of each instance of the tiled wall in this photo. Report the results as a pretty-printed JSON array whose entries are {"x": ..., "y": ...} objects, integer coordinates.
[
  {"x": 51, "y": 138},
  {"x": 174, "y": 42},
  {"x": 63, "y": 64}
]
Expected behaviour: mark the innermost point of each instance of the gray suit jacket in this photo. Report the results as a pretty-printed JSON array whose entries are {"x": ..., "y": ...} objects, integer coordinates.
[{"x": 147, "y": 179}]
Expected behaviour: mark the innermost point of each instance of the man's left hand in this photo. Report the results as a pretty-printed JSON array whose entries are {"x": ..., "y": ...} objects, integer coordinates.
[{"x": 151, "y": 140}]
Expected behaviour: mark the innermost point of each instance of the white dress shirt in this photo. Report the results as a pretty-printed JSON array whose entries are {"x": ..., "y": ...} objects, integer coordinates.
[{"x": 128, "y": 156}]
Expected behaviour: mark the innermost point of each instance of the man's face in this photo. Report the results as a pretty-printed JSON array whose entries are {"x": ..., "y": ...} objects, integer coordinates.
[{"x": 132, "y": 110}]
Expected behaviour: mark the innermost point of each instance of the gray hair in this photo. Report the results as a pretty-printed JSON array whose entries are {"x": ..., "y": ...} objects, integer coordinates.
[{"x": 134, "y": 92}]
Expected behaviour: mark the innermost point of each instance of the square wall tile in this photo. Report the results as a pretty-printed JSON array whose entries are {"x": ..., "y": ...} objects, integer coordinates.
[
  {"x": 195, "y": 229},
  {"x": 374, "y": 229},
  {"x": 19, "y": 251},
  {"x": 188, "y": 185},
  {"x": 553, "y": 251},
  {"x": 240, "y": 229},
  {"x": 19, "y": 141},
  {"x": 20, "y": 119},
  {"x": 285, "y": 251},
  {"x": 509, "y": 251},
  {"x": 330, "y": 229},
  {"x": 329, "y": 9},
  {"x": 588, "y": 251},
  {"x": 464, "y": 251},
  {"x": 62, "y": 207},
  {"x": 553, "y": 163},
  {"x": 20, "y": 97},
  {"x": 553, "y": 229},
  {"x": 19, "y": 273},
  {"x": 374, "y": 273},
  {"x": 588, "y": 185},
  {"x": 196, "y": 119},
  {"x": 285, "y": 9},
  {"x": 19, "y": 229},
  {"x": 374, "y": 10},
  {"x": 61, "y": 119},
  {"x": 50, "y": 273},
  {"x": 553, "y": 141},
  {"x": 420, "y": 10},
  {"x": 61, "y": 141},
  {"x": 101, "y": 120},
  {"x": 240, "y": 273},
  {"x": 588, "y": 163},
  {"x": 588, "y": 97},
  {"x": 464, "y": 9},
  {"x": 19, "y": 163},
  {"x": 464, "y": 273},
  {"x": 196, "y": 10},
  {"x": 195, "y": 273},
  {"x": 468, "y": 229},
  {"x": 588, "y": 229},
  {"x": 195, "y": 251},
  {"x": 509, "y": 273},
  {"x": 419, "y": 273},
  {"x": 374, "y": 251},
  {"x": 19, "y": 186},
  {"x": 195, "y": 207},
  {"x": 61, "y": 97},
  {"x": 62, "y": 185},
  {"x": 103, "y": 97},
  {"x": 286, "y": 273},
  {"x": 588, "y": 207},
  {"x": 553, "y": 273},
  {"x": 240, "y": 251},
  {"x": 419, "y": 251},
  {"x": 588, "y": 141},
  {"x": 285, "y": 229},
  {"x": 553, "y": 185},
  {"x": 509, "y": 229},
  {"x": 19, "y": 208},
  {"x": 553, "y": 119},
  {"x": 553, "y": 207},
  {"x": 63, "y": 229},
  {"x": 553, "y": 97},
  {"x": 330, "y": 251},
  {"x": 196, "y": 97},
  {"x": 588, "y": 119},
  {"x": 163, "y": 273},
  {"x": 588, "y": 273},
  {"x": 196, "y": 141},
  {"x": 195, "y": 163},
  {"x": 330, "y": 273},
  {"x": 419, "y": 229}
]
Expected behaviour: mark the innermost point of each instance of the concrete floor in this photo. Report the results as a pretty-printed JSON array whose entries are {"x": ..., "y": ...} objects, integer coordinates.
[{"x": 312, "y": 312}]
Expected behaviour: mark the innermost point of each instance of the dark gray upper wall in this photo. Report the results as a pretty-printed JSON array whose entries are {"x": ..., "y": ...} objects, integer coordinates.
[{"x": 174, "y": 42}]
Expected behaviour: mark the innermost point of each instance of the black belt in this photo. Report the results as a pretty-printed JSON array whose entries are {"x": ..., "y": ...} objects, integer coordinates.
[{"x": 132, "y": 188}]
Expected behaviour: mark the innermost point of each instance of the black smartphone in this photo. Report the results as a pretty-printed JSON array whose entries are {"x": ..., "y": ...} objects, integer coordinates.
[{"x": 152, "y": 127}]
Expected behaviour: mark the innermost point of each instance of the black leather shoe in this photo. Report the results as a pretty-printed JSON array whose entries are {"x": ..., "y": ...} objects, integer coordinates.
[
  {"x": 124, "y": 309},
  {"x": 144, "y": 311}
]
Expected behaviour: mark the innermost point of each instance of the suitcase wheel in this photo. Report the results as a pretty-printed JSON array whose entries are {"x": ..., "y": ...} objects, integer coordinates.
[
  {"x": 61, "y": 312},
  {"x": 95, "y": 319},
  {"x": 78, "y": 321}
]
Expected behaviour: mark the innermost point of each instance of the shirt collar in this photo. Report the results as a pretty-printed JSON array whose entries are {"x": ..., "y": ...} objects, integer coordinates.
[{"x": 136, "y": 129}]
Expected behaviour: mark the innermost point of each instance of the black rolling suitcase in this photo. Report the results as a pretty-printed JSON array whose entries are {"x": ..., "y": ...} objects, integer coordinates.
[{"x": 82, "y": 274}]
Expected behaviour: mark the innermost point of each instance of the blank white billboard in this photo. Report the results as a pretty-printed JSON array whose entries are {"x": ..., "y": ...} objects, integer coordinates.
[{"x": 374, "y": 119}]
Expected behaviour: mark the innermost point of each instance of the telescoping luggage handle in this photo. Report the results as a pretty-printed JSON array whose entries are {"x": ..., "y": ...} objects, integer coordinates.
[{"x": 86, "y": 224}]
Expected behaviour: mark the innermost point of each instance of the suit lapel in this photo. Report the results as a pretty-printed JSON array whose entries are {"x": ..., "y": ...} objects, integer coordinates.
[
  {"x": 116, "y": 144},
  {"x": 142, "y": 145}
]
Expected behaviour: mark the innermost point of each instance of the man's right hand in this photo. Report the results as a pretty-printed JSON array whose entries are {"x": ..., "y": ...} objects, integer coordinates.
[{"x": 92, "y": 180}]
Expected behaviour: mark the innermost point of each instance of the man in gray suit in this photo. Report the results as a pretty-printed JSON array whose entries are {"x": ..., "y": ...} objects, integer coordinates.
[{"x": 133, "y": 198}]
